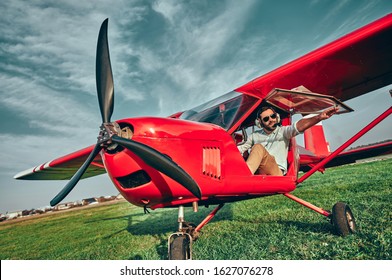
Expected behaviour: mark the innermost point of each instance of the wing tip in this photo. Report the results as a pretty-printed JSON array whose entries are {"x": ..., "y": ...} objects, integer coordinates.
[{"x": 25, "y": 173}]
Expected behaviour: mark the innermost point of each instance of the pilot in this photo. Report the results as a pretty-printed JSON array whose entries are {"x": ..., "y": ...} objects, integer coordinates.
[{"x": 269, "y": 145}]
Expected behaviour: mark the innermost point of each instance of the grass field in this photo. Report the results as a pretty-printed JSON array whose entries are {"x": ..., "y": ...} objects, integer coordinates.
[{"x": 273, "y": 228}]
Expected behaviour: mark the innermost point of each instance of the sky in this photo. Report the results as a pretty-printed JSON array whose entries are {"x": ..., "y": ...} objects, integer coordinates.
[{"x": 167, "y": 56}]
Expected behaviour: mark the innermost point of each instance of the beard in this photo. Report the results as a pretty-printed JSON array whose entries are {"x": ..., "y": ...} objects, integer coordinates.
[{"x": 270, "y": 128}]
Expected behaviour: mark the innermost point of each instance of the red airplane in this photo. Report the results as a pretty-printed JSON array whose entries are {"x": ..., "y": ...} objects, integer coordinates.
[{"x": 191, "y": 158}]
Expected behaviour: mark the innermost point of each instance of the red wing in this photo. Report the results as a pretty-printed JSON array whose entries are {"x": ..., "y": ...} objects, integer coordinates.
[
  {"x": 64, "y": 168},
  {"x": 308, "y": 159},
  {"x": 346, "y": 68}
]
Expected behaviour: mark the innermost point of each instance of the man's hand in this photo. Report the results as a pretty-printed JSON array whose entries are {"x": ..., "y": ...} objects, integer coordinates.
[
  {"x": 306, "y": 123},
  {"x": 326, "y": 114}
]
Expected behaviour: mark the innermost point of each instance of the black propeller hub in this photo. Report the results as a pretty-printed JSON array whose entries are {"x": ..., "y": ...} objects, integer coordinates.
[{"x": 107, "y": 130}]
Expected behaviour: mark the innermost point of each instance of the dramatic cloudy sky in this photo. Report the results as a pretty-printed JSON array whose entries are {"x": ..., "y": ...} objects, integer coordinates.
[{"x": 166, "y": 56}]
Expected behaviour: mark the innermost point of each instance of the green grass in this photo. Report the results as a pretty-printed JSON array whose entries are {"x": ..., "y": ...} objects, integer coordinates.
[{"x": 265, "y": 228}]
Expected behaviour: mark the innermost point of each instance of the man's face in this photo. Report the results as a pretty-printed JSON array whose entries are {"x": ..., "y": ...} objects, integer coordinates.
[{"x": 268, "y": 117}]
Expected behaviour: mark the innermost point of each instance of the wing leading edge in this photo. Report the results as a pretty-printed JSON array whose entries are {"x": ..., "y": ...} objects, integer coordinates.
[{"x": 64, "y": 168}]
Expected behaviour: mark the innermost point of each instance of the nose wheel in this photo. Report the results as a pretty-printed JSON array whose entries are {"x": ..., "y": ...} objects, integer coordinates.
[
  {"x": 180, "y": 246},
  {"x": 180, "y": 242}
]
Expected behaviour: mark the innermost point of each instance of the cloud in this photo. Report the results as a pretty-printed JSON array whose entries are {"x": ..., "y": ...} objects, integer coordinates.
[
  {"x": 43, "y": 107},
  {"x": 351, "y": 14},
  {"x": 169, "y": 10},
  {"x": 194, "y": 45},
  {"x": 27, "y": 151},
  {"x": 48, "y": 61}
]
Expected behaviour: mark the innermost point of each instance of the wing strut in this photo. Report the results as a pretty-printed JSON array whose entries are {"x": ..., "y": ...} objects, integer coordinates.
[{"x": 345, "y": 145}]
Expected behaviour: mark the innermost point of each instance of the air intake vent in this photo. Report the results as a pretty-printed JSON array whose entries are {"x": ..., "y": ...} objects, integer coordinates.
[
  {"x": 134, "y": 180},
  {"x": 212, "y": 162}
]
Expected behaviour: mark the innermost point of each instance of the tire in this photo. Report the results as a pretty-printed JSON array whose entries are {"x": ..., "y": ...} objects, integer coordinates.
[
  {"x": 179, "y": 248},
  {"x": 343, "y": 219}
]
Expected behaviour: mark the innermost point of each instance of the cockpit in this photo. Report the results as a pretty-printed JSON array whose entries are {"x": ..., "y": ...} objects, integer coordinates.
[{"x": 228, "y": 109}]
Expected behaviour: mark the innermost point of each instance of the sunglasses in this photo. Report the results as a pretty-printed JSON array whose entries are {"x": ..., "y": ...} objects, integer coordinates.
[{"x": 273, "y": 116}]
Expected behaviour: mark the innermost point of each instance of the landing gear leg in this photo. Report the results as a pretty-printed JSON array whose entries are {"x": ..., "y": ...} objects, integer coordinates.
[
  {"x": 180, "y": 243},
  {"x": 341, "y": 217}
]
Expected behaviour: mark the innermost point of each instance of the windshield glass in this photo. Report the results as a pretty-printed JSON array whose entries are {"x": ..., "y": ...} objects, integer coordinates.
[{"x": 224, "y": 111}]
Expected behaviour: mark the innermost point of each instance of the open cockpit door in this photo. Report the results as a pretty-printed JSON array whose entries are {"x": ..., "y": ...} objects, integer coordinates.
[{"x": 301, "y": 100}]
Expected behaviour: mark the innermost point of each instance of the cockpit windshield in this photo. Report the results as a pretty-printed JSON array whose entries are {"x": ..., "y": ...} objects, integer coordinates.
[{"x": 224, "y": 111}]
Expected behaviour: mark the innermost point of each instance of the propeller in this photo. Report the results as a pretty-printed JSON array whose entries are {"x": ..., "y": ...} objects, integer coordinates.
[
  {"x": 108, "y": 133},
  {"x": 76, "y": 177},
  {"x": 104, "y": 75}
]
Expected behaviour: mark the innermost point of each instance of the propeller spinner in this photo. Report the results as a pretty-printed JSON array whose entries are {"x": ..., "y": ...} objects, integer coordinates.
[{"x": 109, "y": 133}]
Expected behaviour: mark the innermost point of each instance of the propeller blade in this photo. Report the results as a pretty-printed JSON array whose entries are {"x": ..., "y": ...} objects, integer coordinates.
[
  {"x": 104, "y": 76},
  {"x": 160, "y": 162},
  {"x": 76, "y": 177}
]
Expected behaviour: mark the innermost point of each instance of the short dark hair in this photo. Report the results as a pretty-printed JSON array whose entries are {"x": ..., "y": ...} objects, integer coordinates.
[{"x": 265, "y": 108}]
